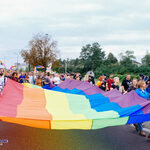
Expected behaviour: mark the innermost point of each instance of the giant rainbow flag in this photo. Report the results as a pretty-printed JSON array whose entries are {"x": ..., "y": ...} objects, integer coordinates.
[{"x": 71, "y": 105}]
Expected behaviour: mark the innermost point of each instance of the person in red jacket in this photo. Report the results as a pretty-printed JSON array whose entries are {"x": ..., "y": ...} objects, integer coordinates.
[{"x": 109, "y": 82}]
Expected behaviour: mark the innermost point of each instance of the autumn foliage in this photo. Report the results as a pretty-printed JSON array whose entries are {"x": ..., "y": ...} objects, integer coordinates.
[{"x": 42, "y": 51}]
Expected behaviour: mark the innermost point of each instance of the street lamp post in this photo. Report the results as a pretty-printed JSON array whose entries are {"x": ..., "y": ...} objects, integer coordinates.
[
  {"x": 17, "y": 58},
  {"x": 66, "y": 66},
  {"x": 29, "y": 63}
]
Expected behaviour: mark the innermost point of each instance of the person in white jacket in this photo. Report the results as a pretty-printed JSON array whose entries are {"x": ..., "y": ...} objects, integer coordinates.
[{"x": 56, "y": 79}]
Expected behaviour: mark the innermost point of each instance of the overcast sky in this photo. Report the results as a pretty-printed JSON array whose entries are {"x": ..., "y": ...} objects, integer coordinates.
[{"x": 118, "y": 25}]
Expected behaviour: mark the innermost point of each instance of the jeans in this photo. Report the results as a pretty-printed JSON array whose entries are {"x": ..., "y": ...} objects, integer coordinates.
[{"x": 140, "y": 127}]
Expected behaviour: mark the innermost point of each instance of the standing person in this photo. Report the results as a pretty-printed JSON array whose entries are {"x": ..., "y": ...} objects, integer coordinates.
[
  {"x": 141, "y": 77},
  {"x": 91, "y": 77},
  {"x": 38, "y": 81},
  {"x": 34, "y": 75},
  {"x": 2, "y": 82},
  {"x": 133, "y": 85},
  {"x": 66, "y": 76},
  {"x": 62, "y": 77},
  {"x": 43, "y": 76},
  {"x": 47, "y": 82},
  {"x": 15, "y": 77},
  {"x": 51, "y": 78},
  {"x": 91, "y": 73},
  {"x": 78, "y": 76},
  {"x": 105, "y": 78},
  {"x": 126, "y": 84},
  {"x": 86, "y": 78},
  {"x": 22, "y": 78},
  {"x": 56, "y": 79},
  {"x": 148, "y": 86},
  {"x": 51, "y": 85},
  {"x": 103, "y": 84},
  {"x": 74, "y": 75},
  {"x": 115, "y": 85},
  {"x": 47, "y": 79},
  {"x": 71, "y": 76},
  {"x": 31, "y": 80},
  {"x": 109, "y": 82},
  {"x": 26, "y": 80},
  {"x": 142, "y": 92},
  {"x": 91, "y": 80},
  {"x": 101, "y": 79}
]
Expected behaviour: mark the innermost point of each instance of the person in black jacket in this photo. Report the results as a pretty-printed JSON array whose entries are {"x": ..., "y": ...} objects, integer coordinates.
[{"x": 126, "y": 84}]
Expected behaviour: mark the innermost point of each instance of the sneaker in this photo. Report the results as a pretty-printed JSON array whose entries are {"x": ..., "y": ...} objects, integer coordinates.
[{"x": 142, "y": 133}]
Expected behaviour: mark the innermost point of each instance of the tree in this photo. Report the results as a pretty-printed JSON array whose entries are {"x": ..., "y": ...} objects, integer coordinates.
[
  {"x": 128, "y": 58},
  {"x": 56, "y": 65},
  {"x": 42, "y": 50},
  {"x": 20, "y": 70},
  {"x": 107, "y": 65},
  {"x": 146, "y": 59},
  {"x": 111, "y": 59},
  {"x": 92, "y": 56}
]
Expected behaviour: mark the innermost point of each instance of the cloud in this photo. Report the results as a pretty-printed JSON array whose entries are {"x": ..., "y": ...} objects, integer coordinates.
[{"x": 116, "y": 24}]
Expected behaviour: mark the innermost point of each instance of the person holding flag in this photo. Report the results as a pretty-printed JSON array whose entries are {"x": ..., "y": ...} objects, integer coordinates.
[
  {"x": 2, "y": 79},
  {"x": 49, "y": 68}
]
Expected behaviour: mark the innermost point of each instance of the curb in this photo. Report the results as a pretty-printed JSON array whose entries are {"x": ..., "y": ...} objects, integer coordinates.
[{"x": 144, "y": 129}]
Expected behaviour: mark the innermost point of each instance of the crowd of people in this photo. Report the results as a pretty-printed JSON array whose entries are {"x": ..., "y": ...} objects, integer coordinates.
[
  {"x": 126, "y": 86},
  {"x": 41, "y": 78},
  {"x": 141, "y": 86}
]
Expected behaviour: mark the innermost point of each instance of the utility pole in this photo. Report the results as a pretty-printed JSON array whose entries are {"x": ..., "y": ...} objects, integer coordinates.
[
  {"x": 17, "y": 62},
  {"x": 4, "y": 60},
  {"x": 17, "y": 59},
  {"x": 66, "y": 66},
  {"x": 29, "y": 63}
]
